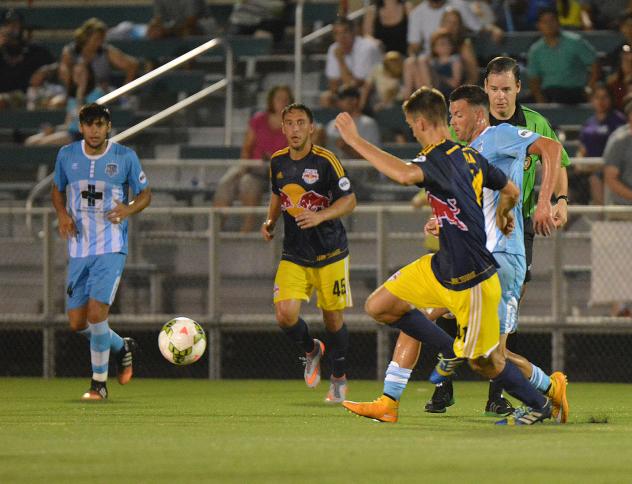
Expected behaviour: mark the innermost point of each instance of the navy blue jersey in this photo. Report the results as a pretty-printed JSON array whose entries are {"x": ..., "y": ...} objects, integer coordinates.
[
  {"x": 454, "y": 177},
  {"x": 311, "y": 183}
]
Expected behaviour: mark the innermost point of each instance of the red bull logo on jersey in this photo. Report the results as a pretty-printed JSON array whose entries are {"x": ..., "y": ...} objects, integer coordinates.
[
  {"x": 447, "y": 211},
  {"x": 294, "y": 199}
]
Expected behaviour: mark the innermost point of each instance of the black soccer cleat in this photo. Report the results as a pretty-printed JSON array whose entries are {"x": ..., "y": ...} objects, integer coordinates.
[
  {"x": 98, "y": 392},
  {"x": 124, "y": 360},
  {"x": 500, "y": 406},
  {"x": 442, "y": 398}
]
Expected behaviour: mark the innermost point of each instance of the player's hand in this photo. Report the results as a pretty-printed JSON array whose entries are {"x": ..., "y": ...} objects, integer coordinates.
[
  {"x": 560, "y": 213},
  {"x": 67, "y": 228},
  {"x": 543, "y": 222},
  {"x": 432, "y": 227},
  {"x": 506, "y": 222},
  {"x": 347, "y": 128},
  {"x": 267, "y": 229},
  {"x": 308, "y": 219},
  {"x": 118, "y": 213}
]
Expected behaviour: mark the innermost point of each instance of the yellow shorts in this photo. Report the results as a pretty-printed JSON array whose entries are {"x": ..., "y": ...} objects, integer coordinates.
[
  {"x": 476, "y": 309},
  {"x": 331, "y": 282}
]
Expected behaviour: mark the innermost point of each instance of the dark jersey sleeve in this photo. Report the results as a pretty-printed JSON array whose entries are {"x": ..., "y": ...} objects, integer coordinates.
[
  {"x": 274, "y": 167},
  {"x": 434, "y": 172},
  {"x": 495, "y": 179},
  {"x": 339, "y": 182}
]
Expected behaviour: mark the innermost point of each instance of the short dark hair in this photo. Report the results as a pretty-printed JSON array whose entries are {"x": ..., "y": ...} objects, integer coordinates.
[
  {"x": 429, "y": 103},
  {"x": 348, "y": 91},
  {"x": 501, "y": 64},
  {"x": 545, "y": 11},
  {"x": 298, "y": 107},
  {"x": 92, "y": 112},
  {"x": 473, "y": 95}
]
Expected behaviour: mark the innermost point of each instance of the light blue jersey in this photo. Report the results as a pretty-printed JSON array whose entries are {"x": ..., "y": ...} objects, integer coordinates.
[
  {"x": 506, "y": 147},
  {"x": 93, "y": 184}
]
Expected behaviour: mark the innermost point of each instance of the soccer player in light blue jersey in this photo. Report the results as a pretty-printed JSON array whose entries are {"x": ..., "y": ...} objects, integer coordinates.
[{"x": 90, "y": 195}]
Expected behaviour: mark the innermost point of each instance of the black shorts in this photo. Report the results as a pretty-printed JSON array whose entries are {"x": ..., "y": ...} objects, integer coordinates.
[{"x": 529, "y": 235}]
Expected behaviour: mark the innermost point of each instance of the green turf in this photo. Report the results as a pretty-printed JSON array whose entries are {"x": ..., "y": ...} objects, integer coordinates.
[{"x": 279, "y": 431}]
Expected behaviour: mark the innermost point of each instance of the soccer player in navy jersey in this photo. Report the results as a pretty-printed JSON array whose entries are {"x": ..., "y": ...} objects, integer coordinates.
[
  {"x": 461, "y": 276},
  {"x": 92, "y": 178},
  {"x": 311, "y": 189}
]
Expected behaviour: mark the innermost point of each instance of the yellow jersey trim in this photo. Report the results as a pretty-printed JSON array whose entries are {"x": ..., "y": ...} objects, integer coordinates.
[{"x": 329, "y": 156}]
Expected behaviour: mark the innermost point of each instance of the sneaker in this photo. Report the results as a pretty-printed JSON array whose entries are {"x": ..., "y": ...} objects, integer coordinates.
[
  {"x": 382, "y": 409},
  {"x": 312, "y": 364},
  {"x": 442, "y": 398},
  {"x": 499, "y": 406},
  {"x": 124, "y": 360},
  {"x": 557, "y": 394},
  {"x": 528, "y": 416},
  {"x": 98, "y": 392},
  {"x": 337, "y": 390},
  {"x": 445, "y": 369}
]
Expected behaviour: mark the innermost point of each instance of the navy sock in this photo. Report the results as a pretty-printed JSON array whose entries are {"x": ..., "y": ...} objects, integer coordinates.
[
  {"x": 518, "y": 386},
  {"x": 299, "y": 333},
  {"x": 338, "y": 345},
  {"x": 495, "y": 390},
  {"x": 418, "y": 326}
]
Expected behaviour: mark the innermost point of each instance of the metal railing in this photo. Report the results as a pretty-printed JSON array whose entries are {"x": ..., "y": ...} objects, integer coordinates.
[
  {"x": 558, "y": 322},
  {"x": 227, "y": 83}
]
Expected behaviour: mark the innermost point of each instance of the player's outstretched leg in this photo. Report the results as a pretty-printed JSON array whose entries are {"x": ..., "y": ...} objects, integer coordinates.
[{"x": 124, "y": 359}]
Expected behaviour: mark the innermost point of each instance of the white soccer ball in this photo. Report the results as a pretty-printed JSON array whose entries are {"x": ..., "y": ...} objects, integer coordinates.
[{"x": 182, "y": 341}]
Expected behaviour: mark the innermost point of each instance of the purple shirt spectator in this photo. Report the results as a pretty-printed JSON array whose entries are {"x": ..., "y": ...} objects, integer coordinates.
[{"x": 595, "y": 132}]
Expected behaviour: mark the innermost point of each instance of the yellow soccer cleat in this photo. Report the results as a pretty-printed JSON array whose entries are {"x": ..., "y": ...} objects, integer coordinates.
[
  {"x": 557, "y": 394},
  {"x": 382, "y": 409}
]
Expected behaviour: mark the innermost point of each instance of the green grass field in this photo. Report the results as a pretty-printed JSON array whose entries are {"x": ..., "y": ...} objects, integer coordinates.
[{"x": 279, "y": 431}]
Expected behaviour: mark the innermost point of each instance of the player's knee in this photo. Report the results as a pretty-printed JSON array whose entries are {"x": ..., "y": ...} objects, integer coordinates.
[
  {"x": 78, "y": 324},
  {"x": 285, "y": 317},
  {"x": 374, "y": 309}
]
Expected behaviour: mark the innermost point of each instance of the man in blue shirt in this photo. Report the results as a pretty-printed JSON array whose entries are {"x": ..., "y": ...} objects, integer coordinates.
[{"x": 90, "y": 196}]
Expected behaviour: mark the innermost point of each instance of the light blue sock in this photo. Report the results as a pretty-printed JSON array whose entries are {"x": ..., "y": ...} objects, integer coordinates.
[
  {"x": 396, "y": 380},
  {"x": 116, "y": 342},
  {"x": 539, "y": 380},
  {"x": 100, "y": 350}
]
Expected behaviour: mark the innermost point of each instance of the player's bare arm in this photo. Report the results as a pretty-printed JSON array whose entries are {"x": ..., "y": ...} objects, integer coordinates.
[
  {"x": 389, "y": 165},
  {"x": 123, "y": 211},
  {"x": 560, "y": 209},
  {"x": 341, "y": 207},
  {"x": 67, "y": 227},
  {"x": 509, "y": 197},
  {"x": 274, "y": 211},
  {"x": 550, "y": 152}
]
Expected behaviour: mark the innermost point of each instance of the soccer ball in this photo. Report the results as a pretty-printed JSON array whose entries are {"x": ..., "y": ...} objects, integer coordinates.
[{"x": 182, "y": 341}]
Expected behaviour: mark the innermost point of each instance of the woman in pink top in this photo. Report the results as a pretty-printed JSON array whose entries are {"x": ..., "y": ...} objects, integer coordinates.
[{"x": 263, "y": 138}]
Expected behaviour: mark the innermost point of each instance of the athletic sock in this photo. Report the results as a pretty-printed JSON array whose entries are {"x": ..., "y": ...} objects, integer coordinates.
[
  {"x": 338, "y": 346},
  {"x": 299, "y": 333},
  {"x": 518, "y": 386},
  {"x": 539, "y": 379},
  {"x": 396, "y": 380},
  {"x": 418, "y": 326},
  {"x": 100, "y": 350},
  {"x": 116, "y": 342},
  {"x": 495, "y": 391}
]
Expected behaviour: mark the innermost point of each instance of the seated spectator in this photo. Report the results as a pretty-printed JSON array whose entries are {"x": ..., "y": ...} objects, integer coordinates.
[
  {"x": 383, "y": 88},
  {"x": 350, "y": 60},
  {"x": 617, "y": 159},
  {"x": 600, "y": 15},
  {"x": 179, "y": 18},
  {"x": 443, "y": 69},
  {"x": 569, "y": 14},
  {"x": 593, "y": 136},
  {"x": 258, "y": 18},
  {"x": 560, "y": 64},
  {"x": 263, "y": 138},
  {"x": 387, "y": 22},
  {"x": 22, "y": 63},
  {"x": 452, "y": 21},
  {"x": 82, "y": 90},
  {"x": 89, "y": 46},
  {"x": 349, "y": 101},
  {"x": 620, "y": 81}
]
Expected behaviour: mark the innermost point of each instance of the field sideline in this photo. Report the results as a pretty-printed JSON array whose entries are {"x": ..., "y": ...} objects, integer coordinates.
[{"x": 279, "y": 431}]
